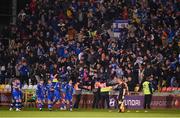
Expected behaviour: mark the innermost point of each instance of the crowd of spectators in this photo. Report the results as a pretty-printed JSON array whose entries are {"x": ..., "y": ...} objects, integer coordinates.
[{"x": 72, "y": 38}]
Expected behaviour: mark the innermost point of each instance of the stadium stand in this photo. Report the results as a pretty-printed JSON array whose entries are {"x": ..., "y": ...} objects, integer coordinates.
[{"x": 72, "y": 38}]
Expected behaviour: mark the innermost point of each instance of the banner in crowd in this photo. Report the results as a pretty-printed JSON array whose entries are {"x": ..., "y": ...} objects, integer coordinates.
[{"x": 118, "y": 25}]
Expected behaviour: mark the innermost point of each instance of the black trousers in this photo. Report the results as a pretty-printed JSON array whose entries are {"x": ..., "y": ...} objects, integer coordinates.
[
  {"x": 147, "y": 101},
  {"x": 96, "y": 99},
  {"x": 105, "y": 99},
  {"x": 2, "y": 79},
  {"x": 78, "y": 98},
  {"x": 24, "y": 79}
]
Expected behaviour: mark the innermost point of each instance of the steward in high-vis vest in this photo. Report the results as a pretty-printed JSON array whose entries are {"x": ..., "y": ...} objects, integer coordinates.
[{"x": 147, "y": 90}]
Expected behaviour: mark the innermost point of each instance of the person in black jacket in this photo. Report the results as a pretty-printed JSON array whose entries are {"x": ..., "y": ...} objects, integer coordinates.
[
  {"x": 78, "y": 95},
  {"x": 96, "y": 93}
]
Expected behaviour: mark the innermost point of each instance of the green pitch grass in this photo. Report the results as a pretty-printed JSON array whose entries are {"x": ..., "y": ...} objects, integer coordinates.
[{"x": 82, "y": 113}]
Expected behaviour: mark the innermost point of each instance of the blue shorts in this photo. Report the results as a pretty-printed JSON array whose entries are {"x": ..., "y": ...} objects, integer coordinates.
[
  {"x": 50, "y": 97},
  {"x": 40, "y": 98},
  {"x": 68, "y": 97},
  {"x": 16, "y": 96},
  {"x": 57, "y": 95}
]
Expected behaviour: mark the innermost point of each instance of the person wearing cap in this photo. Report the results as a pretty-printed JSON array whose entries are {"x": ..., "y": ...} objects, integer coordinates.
[{"x": 147, "y": 91}]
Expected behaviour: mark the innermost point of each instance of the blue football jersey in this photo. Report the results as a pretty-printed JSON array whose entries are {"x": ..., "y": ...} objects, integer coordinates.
[
  {"x": 56, "y": 86},
  {"x": 49, "y": 88},
  {"x": 69, "y": 90},
  {"x": 16, "y": 90},
  {"x": 40, "y": 91}
]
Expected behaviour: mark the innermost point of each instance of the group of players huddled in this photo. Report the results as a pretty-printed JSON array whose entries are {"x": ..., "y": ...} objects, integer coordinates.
[
  {"x": 16, "y": 92},
  {"x": 53, "y": 93}
]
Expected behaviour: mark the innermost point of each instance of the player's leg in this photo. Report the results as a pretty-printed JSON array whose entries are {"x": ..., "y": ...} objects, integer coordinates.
[
  {"x": 57, "y": 98},
  {"x": 39, "y": 101},
  {"x": 54, "y": 101},
  {"x": 50, "y": 102},
  {"x": 67, "y": 104},
  {"x": 17, "y": 105},
  {"x": 63, "y": 104},
  {"x": 20, "y": 102},
  {"x": 17, "y": 101},
  {"x": 12, "y": 105},
  {"x": 121, "y": 107},
  {"x": 43, "y": 102},
  {"x": 50, "y": 105},
  {"x": 20, "y": 96},
  {"x": 21, "y": 99},
  {"x": 70, "y": 104}
]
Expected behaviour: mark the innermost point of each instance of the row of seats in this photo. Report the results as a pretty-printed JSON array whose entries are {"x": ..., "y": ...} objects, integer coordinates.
[
  {"x": 170, "y": 89},
  {"x": 7, "y": 87}
]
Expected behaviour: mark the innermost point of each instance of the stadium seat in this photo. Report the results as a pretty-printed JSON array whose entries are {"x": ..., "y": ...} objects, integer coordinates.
[
  {"x": 164, "y": 89},
  {"x": 30, "y": 87},
  {"x": 169, "y": 89},
  {"x": 7, "y": 88},
  {"x": 25, "y": 87},
  {"x": 179, "y": 89},
  {"x": 174, "y": 88},
  {"x": 35, "y": 87},
  {"x": 2, "y": 87}
]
